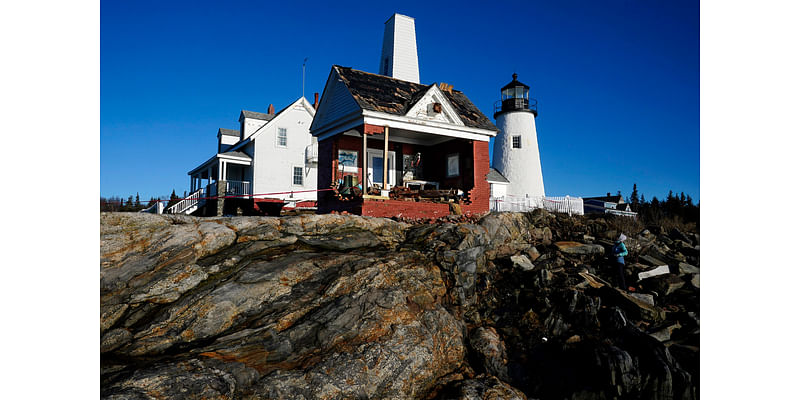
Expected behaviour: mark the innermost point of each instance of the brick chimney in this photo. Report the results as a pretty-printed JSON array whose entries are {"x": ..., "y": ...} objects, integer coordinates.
[
  {"x": 316, "y": 100},
  {"x": 271, "y": 109}
]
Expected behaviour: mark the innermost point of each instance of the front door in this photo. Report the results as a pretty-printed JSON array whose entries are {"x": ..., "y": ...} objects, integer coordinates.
[{"x": 376, "y": 168}]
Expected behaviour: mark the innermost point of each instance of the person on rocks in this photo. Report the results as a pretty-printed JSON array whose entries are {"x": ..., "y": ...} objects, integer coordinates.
[{"x": 619, "y": 252}]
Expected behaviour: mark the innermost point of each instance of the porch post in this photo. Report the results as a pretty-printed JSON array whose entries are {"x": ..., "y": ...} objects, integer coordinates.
[
  {"x": 191, "y": 183},
  {"x": 364, "y": 163},
  {"x": 385, "y": 157}
]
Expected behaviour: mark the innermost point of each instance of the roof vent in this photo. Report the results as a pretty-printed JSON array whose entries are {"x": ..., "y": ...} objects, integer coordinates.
[{"x": 271, "y": 109}]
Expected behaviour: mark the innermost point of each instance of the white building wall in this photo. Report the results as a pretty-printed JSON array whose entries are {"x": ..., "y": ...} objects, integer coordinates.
[
  {"x": 522, "y": 167},
  {"x": 498, "y": 189},
  {"x": 273, "y": 165},
  {"x": 225, "y": 142},
  {"x": 251, "y": 125},
  {"x": 400, "y": 49}
]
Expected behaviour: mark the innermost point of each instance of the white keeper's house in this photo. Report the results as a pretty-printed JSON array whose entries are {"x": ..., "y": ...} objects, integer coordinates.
[{"x": 269, "y": 163}]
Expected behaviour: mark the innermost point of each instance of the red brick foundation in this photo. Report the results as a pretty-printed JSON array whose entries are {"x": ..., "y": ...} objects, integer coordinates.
[{"x": 413, "y": 209}]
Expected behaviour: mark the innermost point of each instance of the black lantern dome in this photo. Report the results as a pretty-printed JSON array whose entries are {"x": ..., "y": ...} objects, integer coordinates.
[{"x": 514, "y": 97}]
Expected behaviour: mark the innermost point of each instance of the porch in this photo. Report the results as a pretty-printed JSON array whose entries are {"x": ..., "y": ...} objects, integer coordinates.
[
  {"x": 225, "y": 176},
  {"x": 401, "y": 172}
]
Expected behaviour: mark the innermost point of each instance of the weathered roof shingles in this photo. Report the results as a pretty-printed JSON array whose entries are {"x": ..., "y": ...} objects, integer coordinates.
[
  {"x": 257, "y": 115},
  {"x": 228, "y": 132},
  {"x": 394, "y": 96}
]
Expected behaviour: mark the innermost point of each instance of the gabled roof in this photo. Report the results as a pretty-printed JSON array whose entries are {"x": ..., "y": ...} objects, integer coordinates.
[
  {"x": 610, "y": 199},
  {"x": 394, "y": 96},
  {"x": 256, "y": 115},
  {"x": 228, "y": 132},
  {"x": 274, "y": 117},
  {"x": 495, "y": 176}
]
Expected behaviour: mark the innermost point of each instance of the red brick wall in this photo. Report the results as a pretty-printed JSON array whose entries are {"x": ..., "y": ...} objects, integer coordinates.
[{"x": 479, "y": 195}]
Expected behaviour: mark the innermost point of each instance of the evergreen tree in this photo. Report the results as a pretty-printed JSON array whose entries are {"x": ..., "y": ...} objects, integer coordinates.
[
  {"x": 635, "y": 196},
  {"x": 641, "y": 200},
  {"x": 172, "y": 199},
  {"x": 137, "y": 204}
]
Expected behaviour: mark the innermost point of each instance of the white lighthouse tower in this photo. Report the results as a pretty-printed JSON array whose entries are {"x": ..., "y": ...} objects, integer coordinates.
[{"x": 516, "y": 149}]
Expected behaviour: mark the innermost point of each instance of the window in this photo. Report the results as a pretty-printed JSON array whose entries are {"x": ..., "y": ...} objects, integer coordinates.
[
  {"x": 516, "y": 142},
  {"x": 282, "y": 137},
  {"x": 348, "y": 161},
  {"x": 297, "y": 176},
  {"x": 452, "y": 165}
]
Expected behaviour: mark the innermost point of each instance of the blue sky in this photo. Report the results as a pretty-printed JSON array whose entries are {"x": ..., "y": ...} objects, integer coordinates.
[{"x": 618, "y": 82}]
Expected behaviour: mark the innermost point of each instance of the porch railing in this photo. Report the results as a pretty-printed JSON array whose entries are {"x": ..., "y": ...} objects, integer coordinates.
[
  {"x": 194, "y": 199},
  {"x": 237, "y": 188},
  {"x": 156, "y": 208},
  {"x": 566, "y": 204}
]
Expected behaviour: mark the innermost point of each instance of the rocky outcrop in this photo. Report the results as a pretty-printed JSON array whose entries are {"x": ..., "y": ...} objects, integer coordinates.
[{"x": 337, "y": 307}]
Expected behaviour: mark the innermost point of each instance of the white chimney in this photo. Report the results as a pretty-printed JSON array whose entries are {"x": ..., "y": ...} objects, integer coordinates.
[{"x": 399, "y": 55}]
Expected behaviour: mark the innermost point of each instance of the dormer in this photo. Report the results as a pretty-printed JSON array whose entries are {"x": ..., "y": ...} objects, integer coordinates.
[
  {"x": 251, "y": 121},
  {"x": 226, "y": 138},
  {"x": 434, "y": 106}
]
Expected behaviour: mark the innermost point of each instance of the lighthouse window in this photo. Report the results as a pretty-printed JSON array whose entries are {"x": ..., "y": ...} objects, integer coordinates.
[{"x": 516, "y": 142}]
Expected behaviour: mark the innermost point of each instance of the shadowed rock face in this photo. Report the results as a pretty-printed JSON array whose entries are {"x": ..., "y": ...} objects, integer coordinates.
[{"x": 342, "y": 307}]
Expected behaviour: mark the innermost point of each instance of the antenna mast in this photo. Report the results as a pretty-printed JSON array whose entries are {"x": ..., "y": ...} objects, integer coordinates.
[{"x": 304, "y": 77}]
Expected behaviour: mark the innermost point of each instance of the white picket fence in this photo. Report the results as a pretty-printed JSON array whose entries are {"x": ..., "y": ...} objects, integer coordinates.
[{"x": 566, "y": 204}]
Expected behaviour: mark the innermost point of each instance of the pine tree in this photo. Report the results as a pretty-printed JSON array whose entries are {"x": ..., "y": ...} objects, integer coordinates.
[
  {"x": 137, "y": 204},
  {"x": 641, "y": 200},
  {"x": 635, "y": 196},
  {"x": 172, "y": 199}
]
